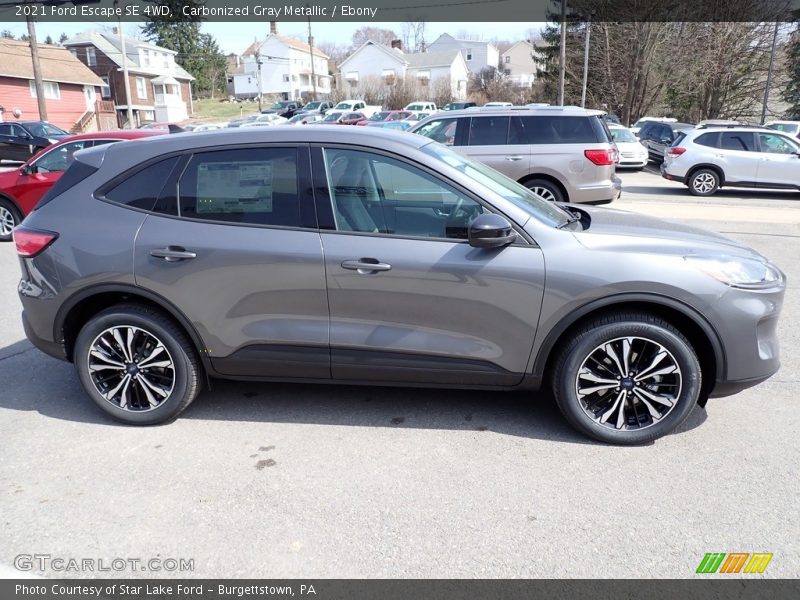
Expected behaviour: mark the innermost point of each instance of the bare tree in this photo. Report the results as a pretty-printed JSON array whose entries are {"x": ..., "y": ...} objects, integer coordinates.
[
  {"x": 375, "y": 34},
  {"x": 414, "y": 36}
]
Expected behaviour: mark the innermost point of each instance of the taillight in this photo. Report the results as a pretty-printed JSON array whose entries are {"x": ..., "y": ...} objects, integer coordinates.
[
  {"x": 676, "y": 150},
  {"x": 30, "y": 242},
  {"x": 602, "y": 158}
]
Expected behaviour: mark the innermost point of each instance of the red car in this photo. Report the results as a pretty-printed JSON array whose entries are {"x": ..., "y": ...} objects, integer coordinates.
[
  {"x": 384, "y": 116},
  {"x": 342, "y": 118},
  {"x": 22, "y": 187}
]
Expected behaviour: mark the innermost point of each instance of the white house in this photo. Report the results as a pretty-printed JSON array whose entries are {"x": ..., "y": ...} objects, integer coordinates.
[
  {"x": 519, "y": 64},
  {"x": 285, "y": 69},
  {"x": 373, "y": 62},
  {"x": 477, "y": 55}
]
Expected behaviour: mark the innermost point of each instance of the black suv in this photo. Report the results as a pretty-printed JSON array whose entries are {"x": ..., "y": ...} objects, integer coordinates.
[
  {"x": 657, "y": 136},
  {"x": 22, "y": 139}
]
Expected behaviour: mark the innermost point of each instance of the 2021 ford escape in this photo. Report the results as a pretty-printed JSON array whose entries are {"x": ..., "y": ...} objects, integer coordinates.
[{"x": 366, "y": 256}]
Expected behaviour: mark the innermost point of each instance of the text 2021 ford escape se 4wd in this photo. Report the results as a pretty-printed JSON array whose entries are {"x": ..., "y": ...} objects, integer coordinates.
[{"x": 380, "y": 257}]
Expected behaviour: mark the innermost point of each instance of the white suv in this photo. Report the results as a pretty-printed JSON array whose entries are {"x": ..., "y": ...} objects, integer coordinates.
[{"x": 706, "y": 159}]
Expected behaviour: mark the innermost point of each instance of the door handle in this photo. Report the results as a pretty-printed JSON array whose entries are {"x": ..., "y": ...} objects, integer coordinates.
[
  {"x": 513, "y": 158},
  {"x": 172, "y": 253},
  {"x": 365, "y": 265}
]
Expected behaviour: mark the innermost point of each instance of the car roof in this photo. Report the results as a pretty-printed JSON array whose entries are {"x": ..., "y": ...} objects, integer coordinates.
[
  {"x": 139, "y": 150},
  {"x": 572, "y": 111}
]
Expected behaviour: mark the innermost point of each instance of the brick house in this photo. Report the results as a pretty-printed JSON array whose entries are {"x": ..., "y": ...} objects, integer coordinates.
[
  {"x": 72, "y": 92},
  {"x": 160, "y": 89}
]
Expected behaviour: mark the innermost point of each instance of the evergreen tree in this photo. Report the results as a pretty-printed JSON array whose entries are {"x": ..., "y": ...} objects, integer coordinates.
[
  {"x": 6, "y": 33},
  {"x": 48, "y": 40},
  {"x": 62, "y": 38}
]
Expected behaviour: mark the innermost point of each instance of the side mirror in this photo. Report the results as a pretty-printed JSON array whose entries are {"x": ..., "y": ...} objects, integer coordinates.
[
  {"x": 28, "y": 170},
  {"x": 491, "y": 231}
]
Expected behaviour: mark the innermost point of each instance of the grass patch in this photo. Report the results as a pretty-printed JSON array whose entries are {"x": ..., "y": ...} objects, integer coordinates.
[{"x": 208, "y": 109}]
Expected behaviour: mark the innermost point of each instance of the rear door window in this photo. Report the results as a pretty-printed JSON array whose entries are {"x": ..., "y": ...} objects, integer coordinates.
[
  {"x": 559, "y": 130},
  {"x": 256, "y": 186},
  {"x": 488, "y": 131},
  {"x": 737, "y": 140}
]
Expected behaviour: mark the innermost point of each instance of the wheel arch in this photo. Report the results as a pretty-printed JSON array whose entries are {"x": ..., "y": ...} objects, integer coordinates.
[
  {"x": 547, "y": 177},
  {"x": 716, "y": 168},
  {"x": 701, "y": 334},
  {"x": 80, "y": 307},
  {"x": 13, "y": 202}
]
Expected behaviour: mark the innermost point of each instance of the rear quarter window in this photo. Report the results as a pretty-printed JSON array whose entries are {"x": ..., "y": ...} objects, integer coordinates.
[
  {"x": 488, "y": 131},
  {"x": 708, "y": 139},
  {"x": 142, "y": 188}
]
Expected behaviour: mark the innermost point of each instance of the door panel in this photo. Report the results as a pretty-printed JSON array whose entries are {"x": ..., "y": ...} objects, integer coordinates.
[
  {"x": 255, "y": 294},
  {"x": 778, "y": 162}
]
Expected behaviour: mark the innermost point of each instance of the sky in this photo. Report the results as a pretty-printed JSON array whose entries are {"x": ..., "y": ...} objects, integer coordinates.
[{"x": 235, "y": 37}]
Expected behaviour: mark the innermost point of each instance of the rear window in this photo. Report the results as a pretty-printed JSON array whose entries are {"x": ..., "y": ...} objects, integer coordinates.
[
  {"x": 74, "y": 174},
  {"x": 142, "y": 189},
  {"x": 561, "y": 130}
]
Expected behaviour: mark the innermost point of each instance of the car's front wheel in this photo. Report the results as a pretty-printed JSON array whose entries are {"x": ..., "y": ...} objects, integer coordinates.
[
  {"x": 10, "y": 217},
  {"x": 703, "y": 182},
  {"x": 627, "y": 379},
  {"x": 137, "y": 365}
]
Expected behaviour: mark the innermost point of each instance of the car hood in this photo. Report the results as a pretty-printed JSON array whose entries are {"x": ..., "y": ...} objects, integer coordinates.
[
  {"x": 630, "y": 147},
  {"x": 621, "y": 230}
]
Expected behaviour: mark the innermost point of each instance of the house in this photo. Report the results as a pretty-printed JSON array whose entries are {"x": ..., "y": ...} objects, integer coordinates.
[
  {"x": 71, "y": 90},
  {"x": 373, "y": 64},
  {"x": 519, "y": 64},
  {"x": 477, "y": 55},
  {"x": 280, "y": 66},
  {"x": 160, "y": 89}
]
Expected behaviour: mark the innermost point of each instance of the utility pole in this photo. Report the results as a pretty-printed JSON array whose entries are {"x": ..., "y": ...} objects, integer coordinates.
[
  {"x": 37, "y": 69},
  {"x": 769, "y": 75},
  {"x": 125, "y": 69},
  {"x": 258, "y": 76},
  {"x": 562, "y": 63},
  {"x": 586, "y": 61},
  {"x": 311, "y": 50}
]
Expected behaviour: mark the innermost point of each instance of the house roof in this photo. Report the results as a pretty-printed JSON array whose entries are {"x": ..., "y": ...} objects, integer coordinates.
[
  {"x": 416, "y": 60},
  {"x": 57, "y": 63},
  {"x": 446, "y": 37},
  {"x": 110, "y": 45},
  {"x": 287, "y": 41}
]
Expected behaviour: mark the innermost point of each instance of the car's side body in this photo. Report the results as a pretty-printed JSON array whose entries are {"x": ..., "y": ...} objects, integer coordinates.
[{"x": 19, "y": 140}]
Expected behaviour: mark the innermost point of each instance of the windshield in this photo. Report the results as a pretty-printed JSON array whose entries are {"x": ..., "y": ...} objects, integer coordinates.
[
  {"x": 379, "y": 116},
  {"x": 787, "y": 127},
  {"x": 415, "y": 107},
  {"x": 44, "y": 129},
  {"x": 332, "y": 116},
  {"x": 312, "y": 105},
  {"x": 622, "y": 135},
  {"x": 517, "y": 194},
  {"x": 280, "y": 105}
]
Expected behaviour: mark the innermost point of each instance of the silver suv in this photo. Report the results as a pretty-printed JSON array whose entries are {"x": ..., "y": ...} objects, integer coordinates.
[
  {"x": 360, "y": 255},
  {"x": 706, "y": 159},
  {"x": 564, "y": 154}
]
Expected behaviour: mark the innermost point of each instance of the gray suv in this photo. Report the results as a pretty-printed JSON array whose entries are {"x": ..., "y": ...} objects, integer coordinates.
[
  {"x": 332, "y": 254},
  {"x": 564, "y": 154}
]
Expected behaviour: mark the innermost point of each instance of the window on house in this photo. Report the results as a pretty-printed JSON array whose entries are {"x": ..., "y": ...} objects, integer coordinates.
[
  {"x": 146, "y": 58},
  {"x": 91, "y": 57},
  {"x": 506, "y": 71},
  {"x": 141, "y": 88},
  {"x": 105, "y": 89},
  {"x": 51, "y": 90},
  {"x": 286, "y": 79},
  {"x": 508, "y": 60},
  {"x": 165, "y": 60},
  {"x": 469, "y": 53}
]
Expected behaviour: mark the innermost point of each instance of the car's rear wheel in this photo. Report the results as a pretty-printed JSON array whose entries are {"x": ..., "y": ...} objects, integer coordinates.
[
  {"x": 703, "y": 182},
  {"x": 627, "y": 379},
  {"x": 546, "y": 189},
  {"x": 10, "y": 217},
  {"x": 137, "y": 365}
]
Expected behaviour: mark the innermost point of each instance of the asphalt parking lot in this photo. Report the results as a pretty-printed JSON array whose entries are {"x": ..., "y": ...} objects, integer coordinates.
[{"x": 259, "y": 480}]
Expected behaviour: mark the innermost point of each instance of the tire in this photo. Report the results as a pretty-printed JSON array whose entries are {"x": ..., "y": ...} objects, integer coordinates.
[
  {"x": 137, "y": 403},
  {"x": 703, "y": 182},
  {"x": 624, "y": 411},
  {"x": 10, "y": 217},
  {"x": 546, "y": 189}
]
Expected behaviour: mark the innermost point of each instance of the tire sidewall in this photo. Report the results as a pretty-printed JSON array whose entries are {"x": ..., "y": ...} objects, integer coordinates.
[
  {"x": 694, "y": 176},
  {"x": 169, "y": 408},
  {"x": 684, "y": 355}
]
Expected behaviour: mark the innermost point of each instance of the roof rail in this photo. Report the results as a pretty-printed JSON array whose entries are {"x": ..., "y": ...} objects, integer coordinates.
[{"x": 728, "y": 126}]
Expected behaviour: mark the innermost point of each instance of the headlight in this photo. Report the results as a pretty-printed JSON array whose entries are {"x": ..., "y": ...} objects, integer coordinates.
[{"x": 747, "y": 273}]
